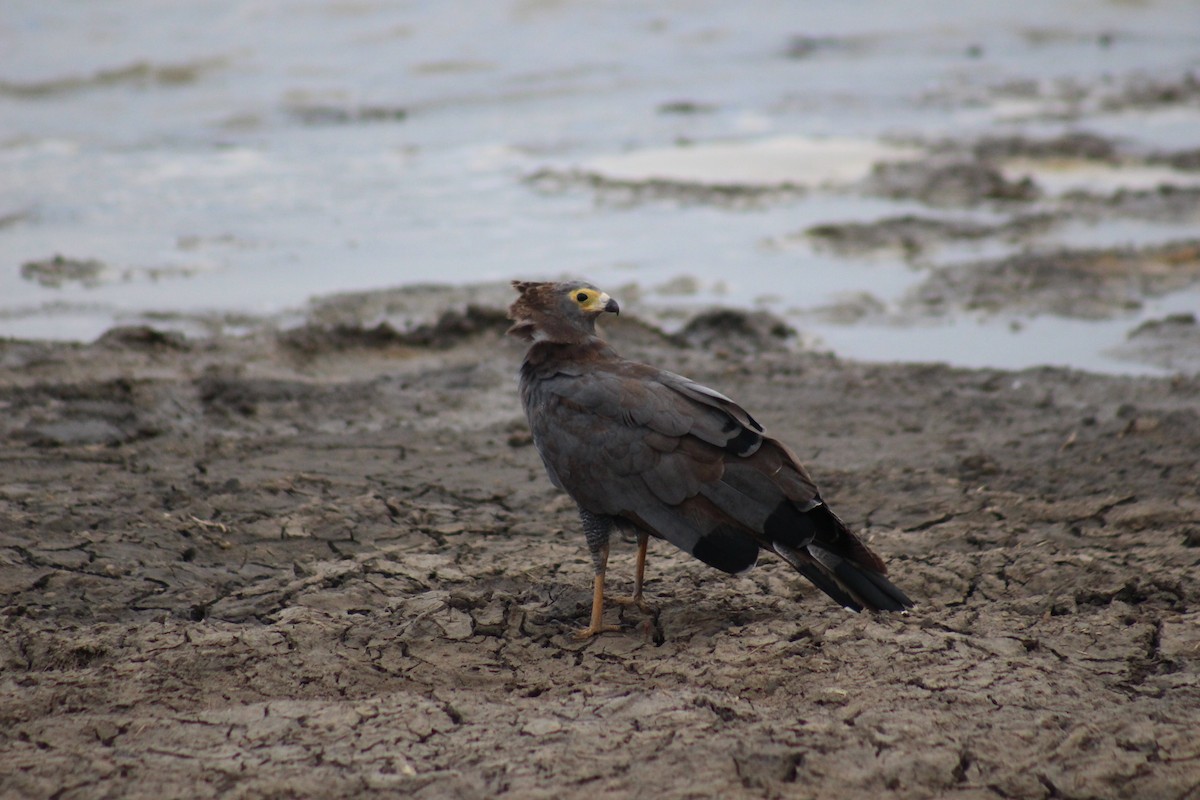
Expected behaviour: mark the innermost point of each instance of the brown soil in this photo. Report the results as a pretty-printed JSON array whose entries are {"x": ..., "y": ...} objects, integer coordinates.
[
  {"x": 327, "y": 564},
  {"x": 330, "y": 565}
]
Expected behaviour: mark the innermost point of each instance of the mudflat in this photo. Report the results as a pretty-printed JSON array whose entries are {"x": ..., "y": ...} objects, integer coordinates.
[{"x": 327, "y": 562}]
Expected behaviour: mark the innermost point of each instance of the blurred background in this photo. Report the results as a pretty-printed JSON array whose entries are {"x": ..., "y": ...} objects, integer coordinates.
[{"x": 977, "y": 183}]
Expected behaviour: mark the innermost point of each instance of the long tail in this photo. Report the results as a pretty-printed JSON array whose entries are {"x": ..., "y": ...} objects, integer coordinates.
[{"x": 841, "y": 566}]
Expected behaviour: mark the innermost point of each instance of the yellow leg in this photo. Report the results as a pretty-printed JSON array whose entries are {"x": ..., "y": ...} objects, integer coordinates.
[
  {"x": 597, "y": 625},
  {"x": 639, "y": 577}
]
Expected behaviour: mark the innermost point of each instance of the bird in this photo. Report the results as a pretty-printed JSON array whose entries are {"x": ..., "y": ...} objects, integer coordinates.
[{"x": 643, "y": 450}]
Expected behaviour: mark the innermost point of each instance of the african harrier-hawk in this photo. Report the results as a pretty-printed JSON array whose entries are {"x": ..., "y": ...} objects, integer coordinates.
[{"x": 645, "y": 449}]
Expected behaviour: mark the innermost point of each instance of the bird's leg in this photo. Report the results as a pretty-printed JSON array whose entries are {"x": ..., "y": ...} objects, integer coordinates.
[
  {"x": 597, "y": 625},
  {"x": 597, "y": 529},
  {"x": 639, "y": 577}
]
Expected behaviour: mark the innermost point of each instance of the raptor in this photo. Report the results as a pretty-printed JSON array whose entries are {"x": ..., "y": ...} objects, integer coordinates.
[{"x": 644, "y": 449}]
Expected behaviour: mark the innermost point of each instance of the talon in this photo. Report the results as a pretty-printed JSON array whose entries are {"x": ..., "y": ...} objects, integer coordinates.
[
  {"x": 593, "y": 630},
  {"x": 636, "y": 600}
]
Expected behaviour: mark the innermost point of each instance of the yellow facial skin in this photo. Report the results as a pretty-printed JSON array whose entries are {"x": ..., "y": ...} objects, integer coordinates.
[{"x": 590, "y": 300}]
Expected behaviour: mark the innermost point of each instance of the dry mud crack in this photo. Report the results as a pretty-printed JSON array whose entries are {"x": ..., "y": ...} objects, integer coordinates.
[{"x": 233, "y": 569}]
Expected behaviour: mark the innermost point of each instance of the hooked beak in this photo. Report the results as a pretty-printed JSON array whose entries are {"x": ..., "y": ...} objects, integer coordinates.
[{"x": 610, "y": 305}]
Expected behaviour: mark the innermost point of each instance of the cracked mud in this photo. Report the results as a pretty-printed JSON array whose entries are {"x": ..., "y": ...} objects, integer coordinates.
[{"x": 296, "y": 566}]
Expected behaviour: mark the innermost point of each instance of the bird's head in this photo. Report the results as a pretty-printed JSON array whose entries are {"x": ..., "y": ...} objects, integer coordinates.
[{"x": 562, "y": 312}]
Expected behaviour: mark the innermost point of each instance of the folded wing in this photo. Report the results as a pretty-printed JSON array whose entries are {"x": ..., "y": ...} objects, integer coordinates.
[{"x": 687, "y": 464}]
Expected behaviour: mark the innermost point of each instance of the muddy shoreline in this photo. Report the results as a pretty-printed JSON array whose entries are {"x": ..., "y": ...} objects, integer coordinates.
[{"x": 326, "y": 562}]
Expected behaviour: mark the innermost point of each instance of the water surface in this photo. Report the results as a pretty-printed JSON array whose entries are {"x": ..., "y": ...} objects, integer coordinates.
[{"x": 228, "y": 161}]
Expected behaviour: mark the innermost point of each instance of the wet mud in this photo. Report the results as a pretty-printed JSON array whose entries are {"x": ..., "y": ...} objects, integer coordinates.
[
  {"x": 1083, "y": 284},
  {"x": 326, "y": 562},
  {"x": 996, "y": 228}
]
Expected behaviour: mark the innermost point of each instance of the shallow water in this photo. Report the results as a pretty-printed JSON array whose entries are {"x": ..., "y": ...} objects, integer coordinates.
[{"x": 228, "y": 161}]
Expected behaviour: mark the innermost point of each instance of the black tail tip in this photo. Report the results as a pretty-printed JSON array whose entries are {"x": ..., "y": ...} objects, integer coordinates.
[{"x": 872, "y": 589}]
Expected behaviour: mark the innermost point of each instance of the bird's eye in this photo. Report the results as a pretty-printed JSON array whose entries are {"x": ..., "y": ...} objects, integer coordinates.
[{"x": 581, "y": 297}]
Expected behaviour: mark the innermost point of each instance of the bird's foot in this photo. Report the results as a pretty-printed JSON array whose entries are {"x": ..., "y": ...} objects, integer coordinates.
[
  {"x": 595, "y": 630},
  {"x": 636, "y": 600}
]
